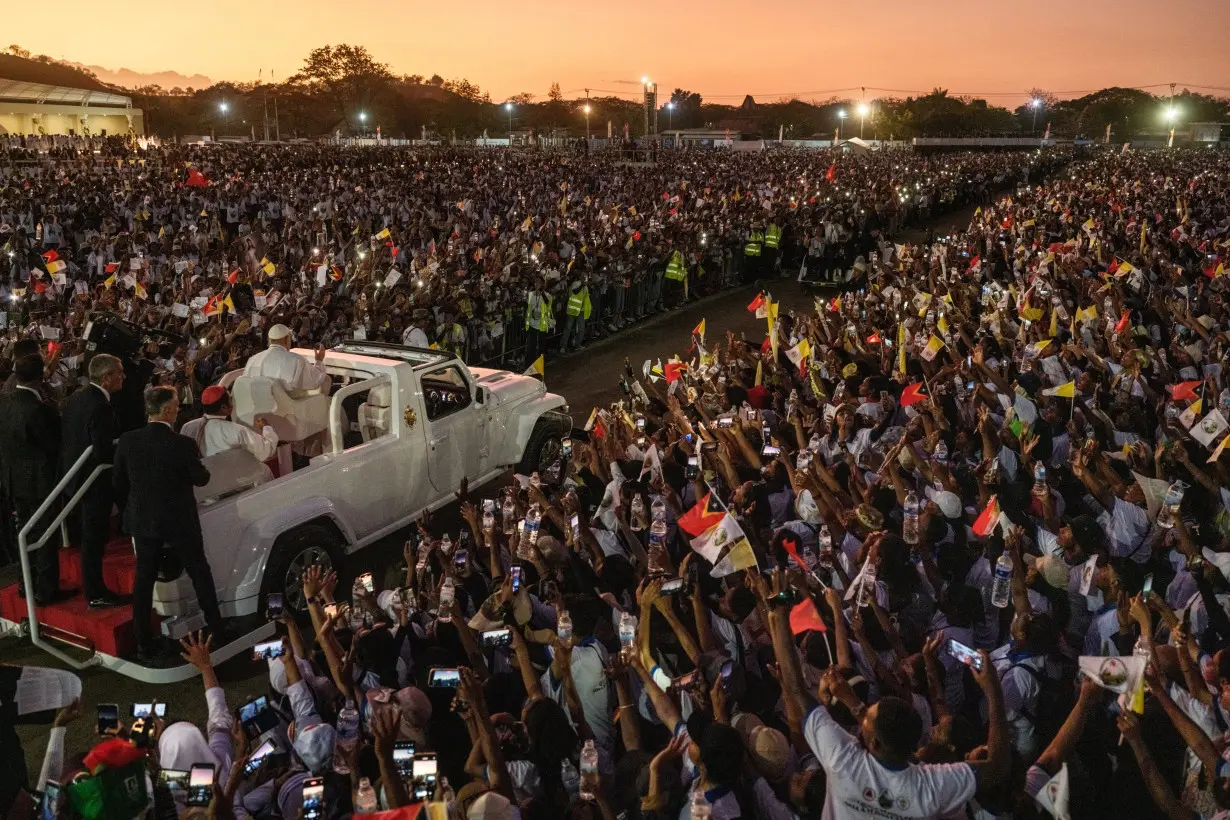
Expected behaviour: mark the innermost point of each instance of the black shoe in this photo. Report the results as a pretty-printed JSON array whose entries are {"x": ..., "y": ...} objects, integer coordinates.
[
  {"x": 53, "y": 597},
  {"x": 157, "y": 651},
  {"x": 222, "y": 636},
  {"x": 108, "y": 600}
]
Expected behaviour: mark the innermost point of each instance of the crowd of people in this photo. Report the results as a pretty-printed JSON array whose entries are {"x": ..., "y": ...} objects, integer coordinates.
[
  {"x": 954, "y": 544},
  {"x": 475, "y": 250}
]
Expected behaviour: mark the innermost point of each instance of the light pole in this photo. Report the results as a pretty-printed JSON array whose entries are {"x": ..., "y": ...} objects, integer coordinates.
[
  {"x": 670, "y": 115},
  {"x": 841, "y": 119},
  {"x": 509, "y": 107},
  {"x": 1035, "y": 104},
  {"x": 863, "y": 108},
  {"x": 587, "y": 110},
  {"x": 224, "y": 107},
  {"x": 362, "y": 122}
]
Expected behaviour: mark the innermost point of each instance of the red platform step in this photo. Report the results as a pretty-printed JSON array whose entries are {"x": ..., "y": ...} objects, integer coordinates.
[
  {"x": 105, "y": 630},
  {"x": 119, "y": 567}
]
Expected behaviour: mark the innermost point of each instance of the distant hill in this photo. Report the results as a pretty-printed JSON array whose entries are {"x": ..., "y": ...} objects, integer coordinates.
[
  {"x": 127, "y": 78},
  {"x": 36, "y": 71}
]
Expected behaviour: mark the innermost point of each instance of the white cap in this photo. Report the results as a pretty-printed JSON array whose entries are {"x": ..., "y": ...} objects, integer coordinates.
[
  {"x": 278, "y": 332},
  {"x": 490, "y": 806},
  {"x": 949, "y": 503}
]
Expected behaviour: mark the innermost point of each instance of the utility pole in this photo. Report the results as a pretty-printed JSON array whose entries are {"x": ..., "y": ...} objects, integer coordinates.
[
  {"x": 277, "y": 125},
  {"x": 265, "y": 98}
]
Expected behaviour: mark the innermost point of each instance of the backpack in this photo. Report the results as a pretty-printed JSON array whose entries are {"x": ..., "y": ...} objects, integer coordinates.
[{"x": 1053, "y": 705}]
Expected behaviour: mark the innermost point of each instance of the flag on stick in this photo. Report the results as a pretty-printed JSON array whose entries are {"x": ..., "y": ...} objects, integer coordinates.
[{"x": 986, "y": 522}]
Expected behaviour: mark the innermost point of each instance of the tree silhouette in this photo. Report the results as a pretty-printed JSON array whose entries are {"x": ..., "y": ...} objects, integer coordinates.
[{"x": 347, "y": 78}]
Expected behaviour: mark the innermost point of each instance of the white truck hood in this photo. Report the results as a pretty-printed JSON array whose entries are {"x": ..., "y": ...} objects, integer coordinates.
[{"x": 508, "y": 388}]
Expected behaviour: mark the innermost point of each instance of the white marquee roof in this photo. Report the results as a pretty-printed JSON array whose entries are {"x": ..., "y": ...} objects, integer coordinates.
[{"x": 39, "y": 93}]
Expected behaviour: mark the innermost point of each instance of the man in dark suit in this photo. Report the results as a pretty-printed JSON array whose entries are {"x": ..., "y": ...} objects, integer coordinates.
[
  {"x": 154, "y": 473},
  {"x": 29, "y": 467},
  {"x": 89, "y": 421},
  {"x": 8, "y": 538}
]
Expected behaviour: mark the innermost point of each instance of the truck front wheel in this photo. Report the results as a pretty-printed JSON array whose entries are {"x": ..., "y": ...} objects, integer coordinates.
[
  {"x": 543, "y": 448},
  {"x": 293, "y": 553}
]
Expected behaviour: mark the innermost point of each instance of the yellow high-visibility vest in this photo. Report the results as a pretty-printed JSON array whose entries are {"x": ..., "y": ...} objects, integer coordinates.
[
  {"x": 543, "y": 320},
  {"x": 752, "y": 248},
  {"x": 676, "y": 269},
  {"x": 772, "y": 237},
  {"x": 578, "y": 303}
]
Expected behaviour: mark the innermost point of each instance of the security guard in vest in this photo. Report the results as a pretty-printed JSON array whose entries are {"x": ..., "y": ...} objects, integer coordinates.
[
  {"x": 772, "y": 241},
  {"x": 751, "y": 254},
  {"x": 677, "y": 271},
  {"x": 578, "y": 310},
  {"x": 538, "y": 319}
]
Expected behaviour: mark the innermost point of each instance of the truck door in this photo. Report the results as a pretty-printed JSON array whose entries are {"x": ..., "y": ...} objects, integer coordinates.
[{"x": 451, "y": 430}]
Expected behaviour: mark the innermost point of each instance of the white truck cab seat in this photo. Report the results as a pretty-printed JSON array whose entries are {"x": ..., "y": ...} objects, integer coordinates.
[
  {"x": 376, "y": 414},
  {"x": 231, "y": 472},
  {"x": 293, "y": 419}
]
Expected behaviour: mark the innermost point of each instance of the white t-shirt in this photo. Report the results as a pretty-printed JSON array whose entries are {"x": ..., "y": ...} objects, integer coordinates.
[
  {"x": 1126, "y": 526},
  {"x": 861, "y": 786}
]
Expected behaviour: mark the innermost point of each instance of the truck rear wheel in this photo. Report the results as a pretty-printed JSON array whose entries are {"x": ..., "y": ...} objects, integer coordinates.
[
  {"x": 293, "y": 553},
  {"x": 543, "y": 448}
]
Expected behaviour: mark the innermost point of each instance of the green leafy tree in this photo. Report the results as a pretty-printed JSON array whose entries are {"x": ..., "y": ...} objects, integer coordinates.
[{"x": 346, "y": 78}]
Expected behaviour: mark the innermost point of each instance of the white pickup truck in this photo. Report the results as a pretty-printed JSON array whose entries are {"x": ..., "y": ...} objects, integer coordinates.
[
  {"x": 396, "y": 433},
  {"x": 405, "y": 426}
]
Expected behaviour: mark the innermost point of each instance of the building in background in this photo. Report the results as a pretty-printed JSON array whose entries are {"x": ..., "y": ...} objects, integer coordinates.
[{"x": 40, "y": 98}]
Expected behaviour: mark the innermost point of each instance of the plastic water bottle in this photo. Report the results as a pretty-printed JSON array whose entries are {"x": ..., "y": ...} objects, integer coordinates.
[
  {"x": 958, "y": 386},
  {"x": 508, "y": 515},
  {"x": 824, "y": 543},
  {"x": 569, "y": 776},
  {"x": 809, "y": 557},
  {"x": 535, "y": 480},
  {"x": 365, "y": 798},
  {"x": 450, "y": 798},
  {"x": 589, "y": 770},
  {"x": 867, "y": 588},
  {"x": 658, "y": 510},
  {"x": 447, "y": 593},
  {"x": 638, "y": 513},
  {"x": 909, "y": 525},
  {"x": 1001, "y": 589},
  {"x": 347, "y": 736},
  {"x": 1169, "y": 513},
  {"x": 488, "y": 521},
  {"x": 422, "y": 564},
  {"x": 533, "y": 522},
  {"x": 563, "y": 626},
  {"x": 1040, "y": 488},
  {"x": 700, "y": 806},
  {"x": 446, "y": 545},
  {"x": 627, "y": 631},
  {"x": 940, "y": 456}
]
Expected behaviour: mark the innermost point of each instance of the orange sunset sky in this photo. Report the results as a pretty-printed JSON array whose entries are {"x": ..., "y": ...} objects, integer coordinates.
[{"x": 721, "y": 48}]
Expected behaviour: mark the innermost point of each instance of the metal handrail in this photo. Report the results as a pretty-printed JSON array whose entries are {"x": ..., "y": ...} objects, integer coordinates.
[
  {"x": 335, "y": 408},
  {"x": 23, "y": 548}
]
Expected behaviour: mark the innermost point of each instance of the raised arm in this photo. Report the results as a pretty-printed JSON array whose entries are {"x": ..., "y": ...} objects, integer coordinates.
[{"x": 1159, "y": 790}]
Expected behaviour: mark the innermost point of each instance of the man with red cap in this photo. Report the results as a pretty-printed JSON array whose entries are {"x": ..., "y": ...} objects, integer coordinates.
[{"x": 215, "y": 432}]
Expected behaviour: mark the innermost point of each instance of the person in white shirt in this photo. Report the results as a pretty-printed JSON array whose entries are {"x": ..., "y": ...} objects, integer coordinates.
[
  {"x": 416, "y": 333},
  {"x": 215, "y": 432},
  {"x": 295, "y": 373}
]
